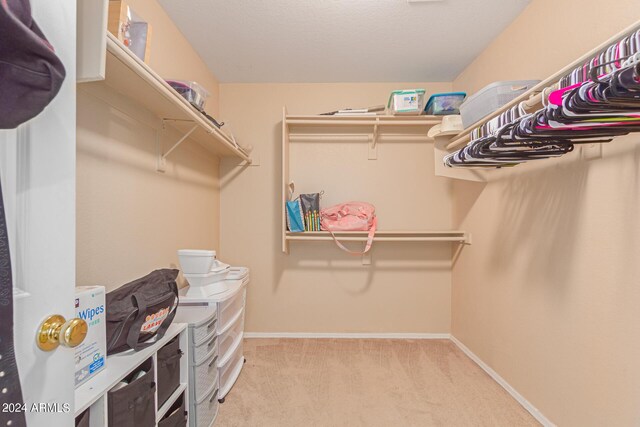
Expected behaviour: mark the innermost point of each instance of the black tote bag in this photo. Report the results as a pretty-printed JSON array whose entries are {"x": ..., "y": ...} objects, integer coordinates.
[{"x": 141, "y": 310}]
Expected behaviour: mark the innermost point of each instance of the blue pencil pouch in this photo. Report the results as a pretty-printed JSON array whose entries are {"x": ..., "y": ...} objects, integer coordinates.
[{"x": 295, "y": 221}]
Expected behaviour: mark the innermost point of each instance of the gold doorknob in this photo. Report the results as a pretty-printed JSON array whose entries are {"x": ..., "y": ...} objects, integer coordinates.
[{"x": 55, "y": 330}]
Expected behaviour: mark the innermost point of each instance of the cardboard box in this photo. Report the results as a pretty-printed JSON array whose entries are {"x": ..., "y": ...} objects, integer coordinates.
[{"x": 91, "y": 355}]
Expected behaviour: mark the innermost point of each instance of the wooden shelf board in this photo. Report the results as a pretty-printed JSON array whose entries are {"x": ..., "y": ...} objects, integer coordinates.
[
  {"x": 383, "y": 236},
  {"x": 319, "y": 121},
  {"x": 129, "y": 76},
  {"x": 119, "y": 366}
]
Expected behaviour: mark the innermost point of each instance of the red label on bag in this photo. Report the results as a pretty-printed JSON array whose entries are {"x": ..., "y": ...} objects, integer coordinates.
[{"x": 153, "y": 321}]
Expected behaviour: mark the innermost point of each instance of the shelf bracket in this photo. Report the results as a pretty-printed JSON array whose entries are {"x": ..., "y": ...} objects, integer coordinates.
[
  {"x": 162, "y": 158},
  {"x": 373, "y": 141},
  {"x": 467, "y": 239}
]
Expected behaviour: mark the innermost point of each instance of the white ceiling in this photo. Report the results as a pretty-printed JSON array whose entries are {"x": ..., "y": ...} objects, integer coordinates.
[{"x": 340, "y": 40}]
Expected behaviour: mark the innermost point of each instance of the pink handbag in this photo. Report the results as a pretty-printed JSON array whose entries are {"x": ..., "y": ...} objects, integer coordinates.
[{"x": 350, "y": 216}]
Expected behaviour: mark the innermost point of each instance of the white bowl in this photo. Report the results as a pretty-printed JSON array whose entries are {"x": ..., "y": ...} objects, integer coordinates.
[{"x": 193, "y": 261}]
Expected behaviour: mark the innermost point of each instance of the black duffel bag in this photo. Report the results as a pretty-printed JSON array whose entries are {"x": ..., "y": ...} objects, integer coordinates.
[{"x": 141, "y": 310}]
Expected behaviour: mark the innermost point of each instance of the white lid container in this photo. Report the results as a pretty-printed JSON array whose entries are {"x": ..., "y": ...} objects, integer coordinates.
[
  {"x": 195, "y": 261},
  {"x": 208, "y": 278},
  {"x": 202, "y": 285}
]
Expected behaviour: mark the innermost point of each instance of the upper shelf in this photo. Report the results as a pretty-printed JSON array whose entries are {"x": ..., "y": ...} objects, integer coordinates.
[
  {"x": 320, "y": 121},
  {"x": 131, "y": 77}
]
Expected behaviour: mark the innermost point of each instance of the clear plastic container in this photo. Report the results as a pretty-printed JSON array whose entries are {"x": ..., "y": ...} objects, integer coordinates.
[
  {"x": 409, "y": 102},
  {"x": 443, "y": 104},
  {"x": 492, "y": 97},
  {"x": 191, "y": 91}
]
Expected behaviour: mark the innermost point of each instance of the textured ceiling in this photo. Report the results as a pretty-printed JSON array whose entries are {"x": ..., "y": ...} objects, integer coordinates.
[{"x": 340, "y": 40}]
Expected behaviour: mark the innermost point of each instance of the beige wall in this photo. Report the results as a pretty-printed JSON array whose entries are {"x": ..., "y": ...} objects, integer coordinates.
[
  {"x": 318, "y": 288},
  {"x": 130, "y": 218},
  {"x": 548, "y": 293}
]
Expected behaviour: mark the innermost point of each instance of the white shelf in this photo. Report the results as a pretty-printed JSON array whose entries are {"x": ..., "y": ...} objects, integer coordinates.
[
  {"x": 117, "y": 367},
  {"x": 383, "y": 236},
  {"x": 302, "y": 128},
  {"x": 326, "y": 121},
  {"x": 127, "y": 75},
  {"x": 170, "y": 401}
]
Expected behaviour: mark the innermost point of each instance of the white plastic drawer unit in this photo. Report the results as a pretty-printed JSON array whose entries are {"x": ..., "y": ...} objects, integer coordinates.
[
  {"x": 206, "y": 409},
  {"x": 228, "y": 339},
  {"x": 229, "y": 369},
  {"x": 228, "y": 310},
  {"x": 204, "y": 375},
  {"x": 203, "y": 350},
  {"x": 201, "y": 330}
]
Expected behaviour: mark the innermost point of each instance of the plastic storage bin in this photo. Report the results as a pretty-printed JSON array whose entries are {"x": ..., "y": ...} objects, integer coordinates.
[
  {"x": 227, "y": 339},
  {"x": 135, "y": 404},
  {"x": 406, "y": 102},
  {"x": 202, "y": 329},
  {"x": 492, "y": 97},
  {"x": 203, "y": 375},
  {"x": 194, "y": 261},
  {"x": 191, "y": 91},
  {"x": 229, "y": 369},
  {"x": 168, "y": 370},
  {"x": 206, "y": 409},
  {"x": 228, "y": 310},
  {"x": 202, "y": 350},
  {"x": 443, "y": 104}
]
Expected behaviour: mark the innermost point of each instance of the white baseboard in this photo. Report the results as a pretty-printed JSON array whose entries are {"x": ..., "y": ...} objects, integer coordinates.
[
  {"x": 381, "y": 335},
  {"x": 512, "y": 391}
]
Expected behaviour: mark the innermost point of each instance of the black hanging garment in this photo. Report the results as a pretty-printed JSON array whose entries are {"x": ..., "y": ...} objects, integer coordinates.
[
  {"x": 30, "y": 77},
  {"x": 30, "y": 72},
  {"x": 10, "y": 380}
]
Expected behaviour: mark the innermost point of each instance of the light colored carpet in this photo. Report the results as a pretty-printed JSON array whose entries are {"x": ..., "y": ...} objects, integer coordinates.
[{"x": 365, "y": 382}]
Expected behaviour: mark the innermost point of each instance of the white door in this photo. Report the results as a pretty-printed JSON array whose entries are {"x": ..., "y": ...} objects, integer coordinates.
[{"x": 37, "y": 167}]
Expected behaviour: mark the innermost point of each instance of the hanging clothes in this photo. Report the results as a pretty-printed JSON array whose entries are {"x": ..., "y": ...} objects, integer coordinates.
[
  {"x": 30, "y": 77},
  {"x": 30, "y": 72},
  {"x": 596, "y": 102}
]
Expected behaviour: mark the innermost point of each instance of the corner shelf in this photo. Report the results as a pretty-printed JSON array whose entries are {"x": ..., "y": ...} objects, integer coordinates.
[
  {"x": 301, "y": 128},
  {"x": 129, "y": 76},
  {"x": 453, "y": 236}
]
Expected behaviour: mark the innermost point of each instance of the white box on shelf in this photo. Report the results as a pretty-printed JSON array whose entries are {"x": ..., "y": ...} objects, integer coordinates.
[{"x": 91, "y": 354}]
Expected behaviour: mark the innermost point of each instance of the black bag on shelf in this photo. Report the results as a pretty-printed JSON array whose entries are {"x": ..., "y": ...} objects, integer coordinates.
[
  {"x": 83, "y": 419},
  {"x": 141, "y": 310},
  {"x": 134, "y": 405},
  {"x": 168, "y": 369},
  {"x": 176, "y": 415}
]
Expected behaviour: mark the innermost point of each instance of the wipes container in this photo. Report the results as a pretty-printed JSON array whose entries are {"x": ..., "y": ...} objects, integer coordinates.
[
  {"x": 406, "y": 102},
  {"x": 443, "y": 104},
  {"x": 91, "y": 354}
]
